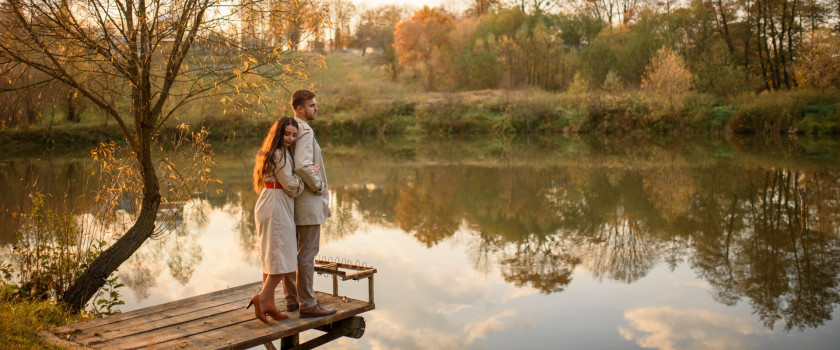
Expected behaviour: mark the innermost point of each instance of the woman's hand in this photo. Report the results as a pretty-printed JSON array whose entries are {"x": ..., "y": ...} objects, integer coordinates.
[{"x": 316, "y": 168}]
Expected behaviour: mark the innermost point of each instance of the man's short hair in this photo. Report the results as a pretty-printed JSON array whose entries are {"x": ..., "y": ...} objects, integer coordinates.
[{"x": 301, "y": 96}]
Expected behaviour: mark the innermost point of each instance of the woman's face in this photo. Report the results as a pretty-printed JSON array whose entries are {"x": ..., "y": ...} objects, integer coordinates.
[{"x": 289, "y": 135}]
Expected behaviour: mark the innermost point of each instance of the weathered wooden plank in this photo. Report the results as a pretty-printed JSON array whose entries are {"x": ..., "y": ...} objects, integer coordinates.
[
  {"x": 343, "y": 265},
  {"x": 220, "y": 320},
  {"x": 248, "y": 334},
  {"x": 331, "y": 269},
  {"x": 204, "y": 298},
  {"x": 214, "y": 320},
  {"x": 175, "y": 331},
  {"x": 145, "y": 323},
  {"x": 358, "y": 275},
  {"x": 101, "y": 334}
]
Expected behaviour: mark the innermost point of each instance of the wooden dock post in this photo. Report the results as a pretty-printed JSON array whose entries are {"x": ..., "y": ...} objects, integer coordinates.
[
  {"x": 290, "y": 342},
  {"x": 335, "y": 269},
  {"x": 370, "y": 289}
]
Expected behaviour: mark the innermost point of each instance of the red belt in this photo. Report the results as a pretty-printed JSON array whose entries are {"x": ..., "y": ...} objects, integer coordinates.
[{"x": 276, "y": 185}]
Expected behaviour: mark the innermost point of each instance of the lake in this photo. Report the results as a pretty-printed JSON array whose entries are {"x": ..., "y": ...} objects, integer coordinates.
[{"x": 530, "y": 242}]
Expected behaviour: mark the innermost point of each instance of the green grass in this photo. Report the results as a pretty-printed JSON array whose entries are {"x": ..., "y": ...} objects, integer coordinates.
[
  {"x": 21, "y": 320},
  {"x": 820, "y": 119}
]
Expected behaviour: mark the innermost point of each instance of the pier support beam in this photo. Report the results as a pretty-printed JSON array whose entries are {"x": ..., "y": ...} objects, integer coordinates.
[{"x": 353, "y": 327}]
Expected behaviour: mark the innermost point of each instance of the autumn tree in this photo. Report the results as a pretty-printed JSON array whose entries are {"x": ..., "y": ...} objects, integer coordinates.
[
  {"x": 290, "y": 23},
  {"x": 140, "y": 61},
  {"x": 819, "y": 64},
  {"x": 613, "y": 12},
  {"x": 510, "y": 48},
  {"x": 376, "y": 30},
  {"x": 28, "y": 94},
  {"x": 774, "y": 24},
  {"x": 535, "y": 6},
  {"x": 667, "y": 76},
  {"x": 480, "y": 8},
  {"x": 341, "y": 12},
  {"x": 296, "y": 22},
  {"x": 578, "y": 29},
  {"x": 421, "y": 39}
]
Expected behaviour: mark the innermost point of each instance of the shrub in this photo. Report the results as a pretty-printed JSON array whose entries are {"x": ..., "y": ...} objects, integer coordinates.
[
  {"x": 700, "y": 107},
  {"x": 821, "y": 119},
  {"x": 537, "y": 110},
  {"x": 616, "y": 113},
  {"x": 579, "y": 85},
  {"x": 767, "y": 112},
  {"x": 667, "y": 77},
  {"x": 613, "y": 83},
  {"x": 49, "y": 254},
  {"x": 51, "y": 251}
]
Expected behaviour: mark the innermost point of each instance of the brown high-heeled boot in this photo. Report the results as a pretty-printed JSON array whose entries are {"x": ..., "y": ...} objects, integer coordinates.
[
  {"x": 276, "y": 314},
  {"x": 255, "y": 300}
]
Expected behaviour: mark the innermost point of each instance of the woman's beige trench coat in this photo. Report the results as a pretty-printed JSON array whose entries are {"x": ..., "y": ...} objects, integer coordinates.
[{"x": 275, "y": 216}]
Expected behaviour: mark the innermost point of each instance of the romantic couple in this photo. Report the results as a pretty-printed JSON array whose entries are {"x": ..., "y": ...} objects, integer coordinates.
[{"x": 294, "y": 201}]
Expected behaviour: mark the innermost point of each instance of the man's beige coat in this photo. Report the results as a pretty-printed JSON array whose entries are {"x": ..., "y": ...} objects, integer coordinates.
[{"x": 312, "y": 207}]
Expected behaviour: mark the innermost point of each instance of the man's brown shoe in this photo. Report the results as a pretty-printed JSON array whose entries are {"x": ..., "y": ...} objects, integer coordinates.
[
  {"x": 316, "y": 311},
  {"x": 292, "y": 308}
]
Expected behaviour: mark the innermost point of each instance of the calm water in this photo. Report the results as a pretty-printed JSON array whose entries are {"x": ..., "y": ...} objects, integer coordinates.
[{"x": 534, "y": 242}]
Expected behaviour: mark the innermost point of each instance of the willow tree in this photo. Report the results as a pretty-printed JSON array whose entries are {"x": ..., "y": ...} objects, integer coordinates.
[{"x": 140, "y": 61}]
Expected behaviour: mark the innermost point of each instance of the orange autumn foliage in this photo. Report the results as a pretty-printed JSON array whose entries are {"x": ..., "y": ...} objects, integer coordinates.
[{"x": 421, "y": 38}]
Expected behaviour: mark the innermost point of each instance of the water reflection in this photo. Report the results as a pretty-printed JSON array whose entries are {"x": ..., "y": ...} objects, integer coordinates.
[
  {"x": 176, "y": 251},
  {"x": 669, "y": 328},
  {"x": 61, "y": 179},
  {"x": 756, "y": 221}
]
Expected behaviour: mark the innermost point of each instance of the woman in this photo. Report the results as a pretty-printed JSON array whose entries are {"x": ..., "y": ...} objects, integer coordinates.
[{"x": 274, "y": 213}]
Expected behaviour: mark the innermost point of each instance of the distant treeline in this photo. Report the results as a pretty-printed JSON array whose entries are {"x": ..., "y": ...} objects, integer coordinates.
[
  {"x": 767, "y": 66},
  {"x": 593, "y": 65},
  {"x": 729, "y": 46}
]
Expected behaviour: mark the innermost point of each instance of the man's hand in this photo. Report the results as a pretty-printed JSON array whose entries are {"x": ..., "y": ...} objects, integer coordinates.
[{"x": 316, "y": 168}]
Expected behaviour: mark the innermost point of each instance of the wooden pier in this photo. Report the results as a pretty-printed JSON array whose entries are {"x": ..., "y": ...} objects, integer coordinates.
[{"x": 219, "y": 320}]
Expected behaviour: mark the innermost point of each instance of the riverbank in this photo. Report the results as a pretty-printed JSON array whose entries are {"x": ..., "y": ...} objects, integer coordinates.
[
  {"x": 501, "y": 112},
  {"x": 535, "y": 111},
  {"x": 356, "y": 98}
]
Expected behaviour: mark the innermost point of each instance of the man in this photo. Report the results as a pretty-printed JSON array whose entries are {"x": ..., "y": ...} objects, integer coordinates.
[{"x": 312, "y": 208}]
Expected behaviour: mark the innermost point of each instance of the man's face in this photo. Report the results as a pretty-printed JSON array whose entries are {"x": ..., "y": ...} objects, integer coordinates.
[{"x": 308, "y": 110}]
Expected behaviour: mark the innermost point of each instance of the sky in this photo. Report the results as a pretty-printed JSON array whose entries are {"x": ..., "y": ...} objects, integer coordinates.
[
  {"x": 374, "y": 3},
  {"x": 415, "y": 3}
]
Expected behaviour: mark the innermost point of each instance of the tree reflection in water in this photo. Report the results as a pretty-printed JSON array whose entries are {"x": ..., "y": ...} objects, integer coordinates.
[
  {"x": 176, "y": 250},
  {"x": 758, "y": 224},
  {"x": 742, "y": 226},
  {"x": 426, "y": 209},
  {"x": 768, "y": 253}
]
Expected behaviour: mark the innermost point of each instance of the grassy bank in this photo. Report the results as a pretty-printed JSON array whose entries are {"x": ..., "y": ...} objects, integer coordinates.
[
  {"x": 534, "y": 111},
  {"x": 358, "y": 98},
  {"x": 21, "y": 320}
]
